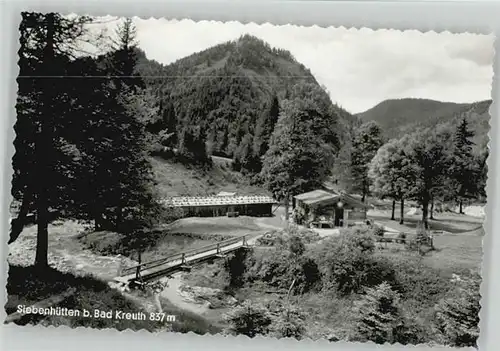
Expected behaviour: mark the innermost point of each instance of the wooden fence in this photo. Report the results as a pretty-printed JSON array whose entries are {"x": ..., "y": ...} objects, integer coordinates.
[{"x": 426, "y": 240}]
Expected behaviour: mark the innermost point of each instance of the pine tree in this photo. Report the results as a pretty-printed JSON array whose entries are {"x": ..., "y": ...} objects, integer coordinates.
[
  {"x": 289, "y": 323},
  {"x": 248, "y": 319},
  {"x": 123, "y": 59},
  {"x": 118, "y": 172},
  {"x": 192, "y": 146},
  {"x": 245, "y": 158},
  {"x": 379, "y": 315},
  {"x": 265, "y": 127},
  {"x": 457, "y": 316},
  {"x": 47, "y": 44},
  {"x": 367, "y": 140},
  {"x": 298, "y": 159},
  {"x": 169, "y": 121},
  {"x": 463, "y": 166}
]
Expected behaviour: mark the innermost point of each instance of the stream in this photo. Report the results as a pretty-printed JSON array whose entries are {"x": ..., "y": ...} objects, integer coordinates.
[{"x": 171, "y": 293}]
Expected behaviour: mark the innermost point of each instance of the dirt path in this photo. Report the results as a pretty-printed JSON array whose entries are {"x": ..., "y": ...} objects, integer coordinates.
[{"x": 66, "y": 253}]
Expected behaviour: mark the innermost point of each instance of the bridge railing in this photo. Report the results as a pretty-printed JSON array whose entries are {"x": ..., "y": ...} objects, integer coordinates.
[{"x": 185, "y": 255}]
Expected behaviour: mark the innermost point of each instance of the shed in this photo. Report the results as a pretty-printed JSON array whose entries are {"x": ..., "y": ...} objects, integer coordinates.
[
  {"x": 322, "y": 208},
  {"x": 222, "y": 205}
]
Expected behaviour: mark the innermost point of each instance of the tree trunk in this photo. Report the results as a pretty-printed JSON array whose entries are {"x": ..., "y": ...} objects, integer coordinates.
[
  {"x": 42, "y": 236},
  {"x": 139, "y": 260},
  {"x": 393, "y": 209},
  {"x": 363, "y": 197},
  {"x": 287, "y": 207},
  {"x": 402, "y": 215},
  {"x": 432, "y": 209},
  {"x": 44, "y": 152},
  {"x": 425, "y": 213},
  {"x": 461, "y": 210},
  {"x": 97, "y": 225},
  {"x": 18, "y": 223},
  {"x": 98, "y": 220},
  {"x": 119, "y": 218}
]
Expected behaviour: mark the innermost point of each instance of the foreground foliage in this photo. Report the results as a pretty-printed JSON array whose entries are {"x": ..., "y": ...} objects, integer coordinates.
[{"x": 381, "y": 299}]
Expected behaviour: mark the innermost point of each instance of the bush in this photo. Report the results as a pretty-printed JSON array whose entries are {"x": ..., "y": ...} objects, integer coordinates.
[
  {"x": 348, "y": 264},
  {"x": 248, "y": 319},
  {"x": 457, "y": 315},
  {"x": 352, "y": 272},
  {"x": 288, "y": 323},
  {"x": 282, "y": 237},
  {"x": 282, "y": 267},
  {"x": 378, "y": 231},
  {"x": 402, "y": 237},
  {"x": 236, "y": 266},
  {"x": 296, "y": 246},
  {"x": 379, "y": 316},
  {"x": 419, "y": 284}
]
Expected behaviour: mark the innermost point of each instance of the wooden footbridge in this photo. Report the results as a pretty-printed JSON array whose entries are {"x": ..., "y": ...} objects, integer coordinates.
[{"x": 151, "y": 270}]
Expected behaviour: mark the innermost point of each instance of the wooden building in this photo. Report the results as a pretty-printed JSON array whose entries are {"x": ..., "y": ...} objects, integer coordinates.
[
  {"x": 231, "y": 205},
  {"x": 325, "y": 208}
]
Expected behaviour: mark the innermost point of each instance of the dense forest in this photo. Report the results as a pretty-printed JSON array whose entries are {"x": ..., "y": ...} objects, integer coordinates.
[
  {"x": 230, "y": 95},
  {"x": 399, "y": 117}
]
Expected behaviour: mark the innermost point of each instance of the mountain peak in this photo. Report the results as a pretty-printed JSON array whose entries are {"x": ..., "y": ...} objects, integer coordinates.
[{"x": 229, "y": 90}]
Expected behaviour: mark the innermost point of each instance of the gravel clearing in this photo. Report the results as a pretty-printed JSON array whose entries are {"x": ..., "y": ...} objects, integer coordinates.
[{"x": 66, "y": 254}]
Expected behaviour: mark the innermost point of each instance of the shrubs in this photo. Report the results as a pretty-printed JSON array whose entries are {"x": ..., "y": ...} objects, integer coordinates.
[
  {"x": 296, "y": 246},
  {"x": 457, "y": 315},
  {"x": 284, "y": 266},
  {"x": 400, "y": 299},
  {"x": 381, "y": 318},
  {"x": 236, "y": 266},
  {"x": 347, "y": 262},
  {"x": 378, "y": 315},
  {"x": 248, "y": 319},
  {"x": 418, "y": 283},
  {"x": 279, "y": 321},
  {"x": 288, "y": 323},
  {"x": 378, "y": 231},
  {"x": 422, "y": 243},
  {"x": 401, "y": 238},
  {"x": 352, "y": 272},
  {"x": 281, "y": 237}
]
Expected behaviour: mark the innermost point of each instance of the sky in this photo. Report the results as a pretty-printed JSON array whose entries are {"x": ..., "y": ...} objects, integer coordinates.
[{"x": 359, "y": 67}]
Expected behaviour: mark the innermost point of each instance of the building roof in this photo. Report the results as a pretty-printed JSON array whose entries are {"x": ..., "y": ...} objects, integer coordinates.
[
  {"x": 185, "y": 201},
  {"x": 316, "y": 196},
  {"x": 225, "y": 193}
]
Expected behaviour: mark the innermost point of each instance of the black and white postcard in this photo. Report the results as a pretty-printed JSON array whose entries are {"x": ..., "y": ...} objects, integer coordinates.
[{"x": 249, "y": 179}]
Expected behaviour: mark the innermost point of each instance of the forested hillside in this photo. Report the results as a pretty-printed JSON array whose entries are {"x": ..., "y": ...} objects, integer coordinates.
[
  {"x": 229, "y": 97},
  {"x": 402, "y": 116}
]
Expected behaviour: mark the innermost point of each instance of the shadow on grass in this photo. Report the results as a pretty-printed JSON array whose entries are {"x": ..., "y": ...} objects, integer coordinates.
[{"x": 29, "y": 285}]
